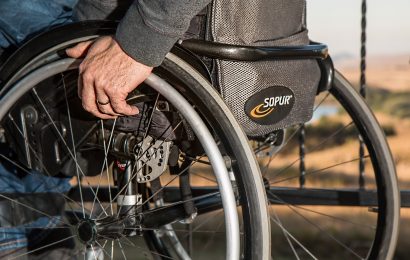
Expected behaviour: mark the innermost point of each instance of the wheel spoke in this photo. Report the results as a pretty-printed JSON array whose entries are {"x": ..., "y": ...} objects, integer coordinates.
[
  {"x": 315, "y": 172},
  {"x": 95, "y": 256},
  {"x": 214, "y": 232},
  {"x": 105, "y": 165},
  {"x": 283, "y": 169},
  {"x": 178, "y": 203},
  {"x": 266, "y": 167},
  {"x": 73, "y": 142},
  {"x": 152, "y": 252},
  {"x": 144, "y": 136},
  {"x": 31, "y": 208},
  {"x": 129, "y": 242},
  {"x": 319, "y": 228},
  {"x": 102, "y": 247},
  {"x": 204, "y": 223},
  {"x": 70, "y": 151},
  {"x": 25, "y": 227},
  {"x": 203, "y": 177},
  {"x": 151, "y": 116},
  {"x": 122, "y": 250},
  {"x": 66, "y": 145},
  {"x": 353, "y": 229},
  {"x": 325, "y": 214},
  {"x": 169, "y": 182},
  {"x": 138, "y": 170},
  {"x": 38, "y": 159},
  {"x": 43, "y": 247},
  {"x": 285, "y": 234},
  {"x": 294, "y": 239},
  {"x": 26, "y": 171},
  {"x": 112, "y": 249}
]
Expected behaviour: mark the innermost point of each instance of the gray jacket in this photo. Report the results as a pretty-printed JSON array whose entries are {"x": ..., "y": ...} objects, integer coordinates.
[{"x": 148, "y": 28}]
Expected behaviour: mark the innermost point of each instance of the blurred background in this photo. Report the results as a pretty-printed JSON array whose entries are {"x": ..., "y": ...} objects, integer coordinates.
[{"x": 337, "y": 23}]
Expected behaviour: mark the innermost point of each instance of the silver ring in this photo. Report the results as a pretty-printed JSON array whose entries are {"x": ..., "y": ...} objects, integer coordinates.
[{"x": 102, "y": 103}]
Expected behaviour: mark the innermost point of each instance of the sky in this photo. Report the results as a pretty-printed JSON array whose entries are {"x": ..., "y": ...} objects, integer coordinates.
[{"x": 337, "y": 23}]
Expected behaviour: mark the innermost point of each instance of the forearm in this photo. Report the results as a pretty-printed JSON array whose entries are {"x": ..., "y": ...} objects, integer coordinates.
[{"x": 151, "y": 27}]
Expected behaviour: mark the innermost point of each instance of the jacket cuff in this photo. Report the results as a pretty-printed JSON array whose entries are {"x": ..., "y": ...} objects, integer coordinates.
[{"x": 142, "y": 42}]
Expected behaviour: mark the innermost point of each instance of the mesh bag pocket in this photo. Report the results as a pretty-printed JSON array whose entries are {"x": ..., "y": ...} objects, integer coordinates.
[{"x": 265, "y": 95}]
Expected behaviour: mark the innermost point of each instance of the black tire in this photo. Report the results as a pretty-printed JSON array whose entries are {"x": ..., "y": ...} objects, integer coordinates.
[
  {"x": 317, "y": 184},
  {"x": 387, "y": 188},
  {"x": 49, "y": 47}
]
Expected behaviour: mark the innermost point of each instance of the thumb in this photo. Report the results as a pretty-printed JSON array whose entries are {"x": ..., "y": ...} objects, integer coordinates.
[{"x": 79, "y": 50}]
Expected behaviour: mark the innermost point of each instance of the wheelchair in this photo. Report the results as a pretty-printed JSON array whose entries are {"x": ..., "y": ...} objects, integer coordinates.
[{"x": 199, "y": 185}]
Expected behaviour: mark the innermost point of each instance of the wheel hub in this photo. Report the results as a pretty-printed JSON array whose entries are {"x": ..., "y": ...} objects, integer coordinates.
[{"x": 87, "y": 231}]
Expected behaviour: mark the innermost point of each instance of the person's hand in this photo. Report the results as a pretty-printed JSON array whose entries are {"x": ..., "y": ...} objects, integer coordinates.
[{"x": 107, "y": 75}]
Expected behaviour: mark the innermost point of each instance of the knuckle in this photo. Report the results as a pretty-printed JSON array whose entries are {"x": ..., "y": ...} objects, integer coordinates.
[
  {"x": 100, "y": 83},
  {"x": 118, "y": 109},
  {"x": 111, "y": 92},
  {"x": 87, "y": 76},
  {"x": 82, "y": 67},
  {"x": 103, "y": 110}
]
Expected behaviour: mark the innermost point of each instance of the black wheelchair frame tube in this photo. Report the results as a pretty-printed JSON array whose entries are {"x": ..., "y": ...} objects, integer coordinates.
[{"x": 233, "y": 52}]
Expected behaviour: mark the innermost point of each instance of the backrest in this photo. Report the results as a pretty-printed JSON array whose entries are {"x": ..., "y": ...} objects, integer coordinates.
[
  {"x": 264, "y": 95},
  {"x": 252, "y": 22}
]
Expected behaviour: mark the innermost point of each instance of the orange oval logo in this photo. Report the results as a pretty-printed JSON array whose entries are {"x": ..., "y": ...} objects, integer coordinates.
[
  {"x": 257, "y": 113},
  {"x": 270, "y": 105}
]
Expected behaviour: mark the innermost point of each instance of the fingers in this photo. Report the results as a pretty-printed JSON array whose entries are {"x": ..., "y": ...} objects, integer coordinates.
[
  {"x": 97, "y": 102},
  {"x": 89, "y": 99},
  {"x": 79, "y": 50},
  {"x": 120, "y": 106},
  {"x": 104, "y": 103},
  {"x": 107, "y": 74}
]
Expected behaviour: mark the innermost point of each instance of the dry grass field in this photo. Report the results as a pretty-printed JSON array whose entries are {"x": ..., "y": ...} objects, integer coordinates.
[
  {"x": 391, "y": 73},
  {"x": 388, "y": 72}
]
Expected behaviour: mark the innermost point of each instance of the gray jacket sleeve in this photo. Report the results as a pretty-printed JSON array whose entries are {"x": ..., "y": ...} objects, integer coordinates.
[{"x": 151, "y": 27}]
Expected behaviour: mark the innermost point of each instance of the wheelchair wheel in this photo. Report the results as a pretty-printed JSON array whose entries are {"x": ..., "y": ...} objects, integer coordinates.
[
  {"x": 168, "y": 183},
  {"x": 326, "y": 200}
]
